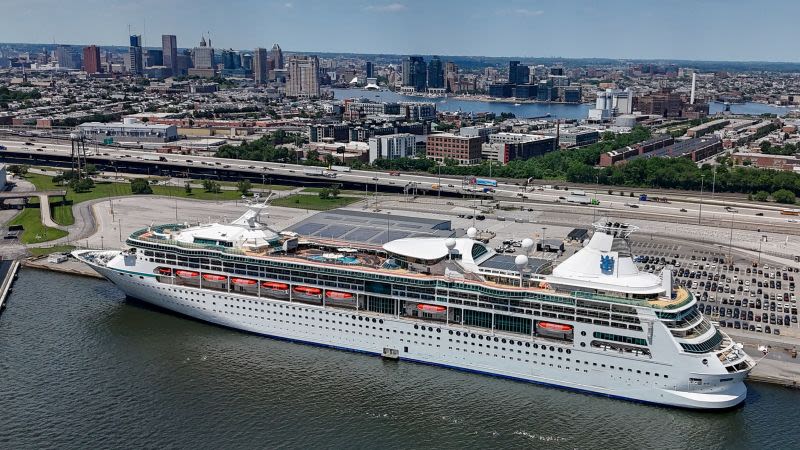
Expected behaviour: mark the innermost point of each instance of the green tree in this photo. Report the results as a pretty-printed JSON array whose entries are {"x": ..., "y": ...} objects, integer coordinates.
[
  {"x": 761, "y": 196},
  {"x": 244, "y": 186},
  {"x": 141, "y": 186},
  {"x": 18, "y": 169},
  {"x": 91, "y": 169},
  {"x": 324, "y": 194},
  {"x": 188, "y": 188},
  {"x": 784, "y": 196}
]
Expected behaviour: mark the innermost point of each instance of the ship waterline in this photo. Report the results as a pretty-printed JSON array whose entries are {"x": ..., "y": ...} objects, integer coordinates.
[{"x": 594, "y": 324}]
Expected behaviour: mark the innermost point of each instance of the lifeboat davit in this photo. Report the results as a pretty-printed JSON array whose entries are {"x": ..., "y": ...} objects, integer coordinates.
[
  {"x": 214, "y": 277},
  {"x": 187, "y": 273},
  {"x": 558, "y": 327},
  {"x": 431, "y": 308},
  {"x": 243, "y": 281},
  {"x": 165, "y": 271},
  {"x": 307, "y": 290},
  {"x": 275, "y": 285},
  {"x": 336, "y": 295}
]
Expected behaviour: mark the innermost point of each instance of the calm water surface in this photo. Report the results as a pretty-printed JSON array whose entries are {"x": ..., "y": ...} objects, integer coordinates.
[
  {"x": 81, "y": 367},
  {"x": 524, "y": 110}
]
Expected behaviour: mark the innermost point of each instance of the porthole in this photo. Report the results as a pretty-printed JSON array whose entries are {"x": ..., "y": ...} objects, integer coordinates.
[
  {"x": 569, "y": 351},
  {"x": 583, "y": 333},
  {"x": 450, "y": 332},
  {"x": 416, "y": 327}
]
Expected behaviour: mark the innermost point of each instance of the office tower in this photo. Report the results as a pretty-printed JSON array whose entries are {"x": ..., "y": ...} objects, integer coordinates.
[
  {"x": 247, "y": 62},
  {"x": 369, "y": 70},
  {"x": 435, "y": 74},
  {"x": 512, "y": 72},
  {"x": 91, "y": 59},
  {"x": 67, "y": 57},
  {"x": 275, "y": 61},
  {"x": 415, "y": 73},
  {"x": 135, "y": 63},
  {"x": 155, "y": 57},
  {"x": 451, "y": 76},
  {"x": 303, "y": 77},
  {"x": 203, "y": 56},
  {"x": 231, "y": 60},
  {"x": 558, "y": 71},
  {"x": 517, "y": 73},
  {"x": 260, "y": 66},
  {"x": 169, "y": 47}
]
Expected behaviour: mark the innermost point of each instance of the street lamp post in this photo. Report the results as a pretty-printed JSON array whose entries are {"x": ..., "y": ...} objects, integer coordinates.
[
  {"x": 714, "y": 182},
  {"x": 700, "y": 212}
]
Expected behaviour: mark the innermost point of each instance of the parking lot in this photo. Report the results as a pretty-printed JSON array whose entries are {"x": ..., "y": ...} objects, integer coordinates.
[{"x": 738, "y": 293}]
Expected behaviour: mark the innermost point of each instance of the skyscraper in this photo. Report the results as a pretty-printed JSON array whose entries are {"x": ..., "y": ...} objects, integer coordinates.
[
  {"x": 512, "y": 72},
  {"x": 203, "y": 56},
  {"x": 67, "y": 57},
  {"x": 91, "y": 59},
  {"x": 303, "y": 77},
  {"x": 415, "y": 73},
  {"x": 169, "y": 45},
  {"x": 260, "y": 70},
  {"x": 275, "y": 60},
  {"x": 135, "y": 63},
  {"x": 451, "y": 76},
  {"x": 435, "y": 74},
  {"x": 369, "y": 70}
]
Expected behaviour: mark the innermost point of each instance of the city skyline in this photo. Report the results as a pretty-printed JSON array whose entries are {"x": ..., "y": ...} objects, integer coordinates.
[{"x": 621, "y": 29}]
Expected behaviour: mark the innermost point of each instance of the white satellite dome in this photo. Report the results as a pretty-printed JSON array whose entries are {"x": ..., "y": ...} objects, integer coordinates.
[
  {"x": 527, "y": 244},
  {"x": 521, "y": 261},
  {"x": 472, "y": 232},
  {"x": 450, "y": 243}
]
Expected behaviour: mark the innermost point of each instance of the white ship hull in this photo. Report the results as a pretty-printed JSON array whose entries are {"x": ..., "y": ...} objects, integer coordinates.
[{"x": 530, "y": 359}]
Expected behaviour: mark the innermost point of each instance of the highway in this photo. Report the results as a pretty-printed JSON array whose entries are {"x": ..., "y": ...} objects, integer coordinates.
[{"x": 682, "y": 207}]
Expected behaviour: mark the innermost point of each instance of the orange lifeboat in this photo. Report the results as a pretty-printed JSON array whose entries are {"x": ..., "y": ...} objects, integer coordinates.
[
  {"x": 275, "y": 285},
  {"x": 187, "y": 273},
  {"x": 243, "y": 281},
  {"x": 431, "y": 308},
  {"x": 557, "y": 327},
  {"x": 307, "y": 290},
  {"x": 165, "y": 271},
  {"x": 336, "y": 295},
  {"x": 214, "y": 277}
]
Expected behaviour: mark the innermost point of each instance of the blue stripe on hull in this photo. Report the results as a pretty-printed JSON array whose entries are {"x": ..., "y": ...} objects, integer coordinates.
[{"x": 462, "y": 369}]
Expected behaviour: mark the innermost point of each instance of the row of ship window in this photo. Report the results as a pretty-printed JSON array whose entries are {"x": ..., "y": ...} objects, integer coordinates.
[
  {"x": 490, "y": 293},
  {"x": 438, "y": 330},
  {"x": 570, "y": 317}
]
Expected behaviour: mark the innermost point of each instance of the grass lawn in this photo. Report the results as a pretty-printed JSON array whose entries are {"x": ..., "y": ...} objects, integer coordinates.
[
  {"x": 198, "y": 194},
  {"x": 317, "y": 190},
  {"x": 39, "y": 251},
  {"x": 274, "y": 187},
  {"x": 61, "y": 212},
  {"x": 31, "y": 221},
  {"x": 313, "y": 202}
]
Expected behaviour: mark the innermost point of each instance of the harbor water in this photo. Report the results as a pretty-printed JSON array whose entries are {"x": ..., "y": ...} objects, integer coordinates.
[
  {"x": 81, "y": 366},
  {"x": 527, "y": 110}
]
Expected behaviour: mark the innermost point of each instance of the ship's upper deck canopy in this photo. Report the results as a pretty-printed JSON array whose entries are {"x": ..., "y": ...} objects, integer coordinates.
[
  {"x": 467, "y": 251},
  {"x": 606, "y": 263}
]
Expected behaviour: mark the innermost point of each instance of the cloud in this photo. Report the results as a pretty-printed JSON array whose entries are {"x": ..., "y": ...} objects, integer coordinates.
[
  {"x": 288, "y": 5},
  {"x": 389, "y": 8},
  {"x": 521, "y": 12}
]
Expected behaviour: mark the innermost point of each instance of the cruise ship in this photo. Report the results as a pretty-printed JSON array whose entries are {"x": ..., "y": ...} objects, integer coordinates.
[{"x": 593, "y": 323}]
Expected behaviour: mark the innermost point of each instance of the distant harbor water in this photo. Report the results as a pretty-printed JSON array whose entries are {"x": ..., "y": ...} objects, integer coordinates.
[
  {"x": 521, "y": 110},
  {"x": 82, "y": 367},
  {"x": 525, "y": 110}
]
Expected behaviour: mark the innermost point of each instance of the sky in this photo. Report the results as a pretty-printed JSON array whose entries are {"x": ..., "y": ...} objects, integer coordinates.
[{"x": 721, "y": 30}]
